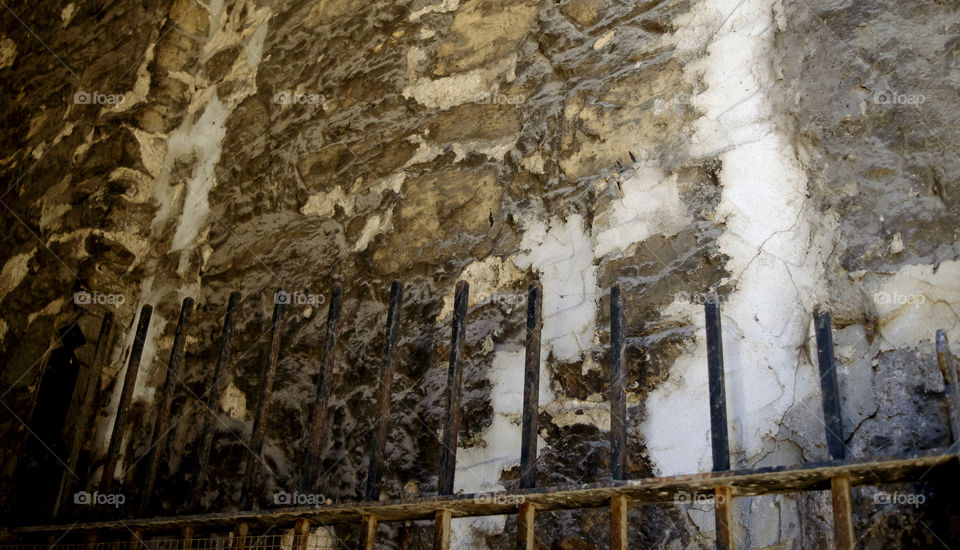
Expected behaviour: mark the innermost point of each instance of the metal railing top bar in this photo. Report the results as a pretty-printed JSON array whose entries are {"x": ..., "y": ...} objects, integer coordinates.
[{"x": 762, "y": 481}]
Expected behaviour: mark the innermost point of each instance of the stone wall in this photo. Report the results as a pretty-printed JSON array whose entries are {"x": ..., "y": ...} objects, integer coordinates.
[{"x": 786, "y": 155}]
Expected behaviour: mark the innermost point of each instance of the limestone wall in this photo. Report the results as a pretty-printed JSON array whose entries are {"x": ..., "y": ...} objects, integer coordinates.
[{"x": 784, "y": 154}]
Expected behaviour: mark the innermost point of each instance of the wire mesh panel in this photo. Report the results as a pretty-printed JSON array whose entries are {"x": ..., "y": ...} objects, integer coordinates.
[{"x": 319, "y": 540}]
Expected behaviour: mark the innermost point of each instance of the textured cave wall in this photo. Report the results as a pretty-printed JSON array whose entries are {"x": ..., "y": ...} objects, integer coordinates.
[{"x": 779, "y": 153}]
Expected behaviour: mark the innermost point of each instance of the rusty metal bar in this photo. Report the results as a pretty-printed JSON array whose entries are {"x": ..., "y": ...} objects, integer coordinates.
[
  {"x": 441, "y": 529},
  {"x": 526, "y": 536},
  {"x": 301, "y": 534},
  {"x": 618, "y": 380},
  {"x": 310, "y": 479},
  {"x": 162, "y": 424},
  {"x": 833, "y": 424},
  {"x": 531, "y": 388},
  {"x": 829, "y": 389},
  {"x": 844, "y": 535},
  {"x": 618, "y": 522},
  {"x": 126, "y": 397},
  {"x": 250, "y": 485},
  {"x": 213, "y": 397},
  {"x": 136, "y": 539},
  {"x": 723, "y": 514},
  {"x": 378, "y": 443},
  {"x": 718, "y": 398},
  {"x": 451, "y": 426},
  {"x": 368, "y": 532},
  {"x": 239, "y": 539},
  {"x": 84, "y": 425},
  {"x": 186, "y": 535},
  {"x": 948, "y": 368}
]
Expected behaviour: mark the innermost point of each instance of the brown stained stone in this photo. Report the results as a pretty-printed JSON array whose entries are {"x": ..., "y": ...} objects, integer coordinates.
[
  {"x": 583, "y": 12},
  {"x": 484, "y": 31},
  {"x": 319, "y": 169},
  {"x": 634, "y": 113},
  {"x": 219, "y": 64},
  {"x": 439, "y": 212},
  {"x": 325, "y": 11},
  {"x": 475, "y": 121}
]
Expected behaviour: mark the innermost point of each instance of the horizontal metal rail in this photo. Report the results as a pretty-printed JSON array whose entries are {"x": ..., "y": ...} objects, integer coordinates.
[{"x": 762, "y": 481}]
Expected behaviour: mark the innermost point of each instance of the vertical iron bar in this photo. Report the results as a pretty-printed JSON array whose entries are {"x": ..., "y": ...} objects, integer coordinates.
[
  {"x": 948, "y": 369},
  {"x": 213, "y": 398},
  {"x": 526, "y": 535},
  {"x": 318, "y": 418},
  {"x": 723, "y": 515},
  {"x": 531, "y": 388},
  {"x": 829, "y": 389},
  {"x": 239, "y": 539},
  {"x": 162, "y": 424},
  {"x": 250, "y": 485},
  {"x": 718, "y": 399},
  {"x": 441, "y": 530},
  {"x": 844, "y": 534},
  {"x": 186, "y": 536},
  {"x": 368, "y": 532},
  {"x": 451, "y": 428},
  {"x": 618, "y": 379},
  {"x": 379, "y": 443},
  {"x": 618, "y": 522},
  {"x": 81, "y": 434},
  {"x": 136, "y": 539},
  {"x": 126, "y": 397},
  {"x": 301, "y": 534}
]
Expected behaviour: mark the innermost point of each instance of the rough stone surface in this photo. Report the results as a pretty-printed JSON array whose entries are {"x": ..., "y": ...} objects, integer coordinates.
[{"x": 785, "y": 155}]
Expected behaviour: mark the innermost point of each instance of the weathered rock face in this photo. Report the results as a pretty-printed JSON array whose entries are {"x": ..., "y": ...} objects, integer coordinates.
[{"x": 783, "y": 155}]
